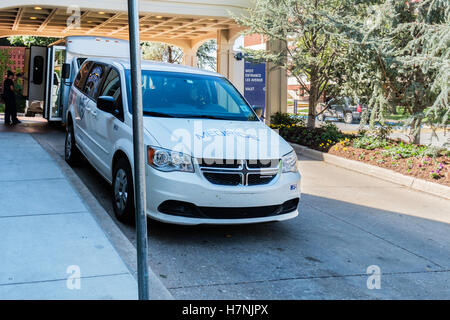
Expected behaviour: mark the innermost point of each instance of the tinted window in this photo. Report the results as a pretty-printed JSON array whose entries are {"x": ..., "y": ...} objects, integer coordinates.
[
  {"x": 111, "y": 88},
  {"x": 94, "y": 80},
  {"x": 80, "y": 61},
  {"x": 81, "y": 76}
]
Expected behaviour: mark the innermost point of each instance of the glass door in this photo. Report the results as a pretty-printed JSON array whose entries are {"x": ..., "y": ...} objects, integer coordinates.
[{"x": 57, "y": 57}]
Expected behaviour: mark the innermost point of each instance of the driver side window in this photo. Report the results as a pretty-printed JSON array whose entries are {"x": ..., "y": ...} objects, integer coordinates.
[{"x": 112, "y": 88}]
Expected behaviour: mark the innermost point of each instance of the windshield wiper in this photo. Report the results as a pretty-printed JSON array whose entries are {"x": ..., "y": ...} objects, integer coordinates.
[
  {"x": 158, "y": 114},
  {"x": 204, "y": 116}
]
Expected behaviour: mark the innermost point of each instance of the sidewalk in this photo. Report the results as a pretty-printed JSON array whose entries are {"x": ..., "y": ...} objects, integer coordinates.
[{"x": 45, "y": 228}]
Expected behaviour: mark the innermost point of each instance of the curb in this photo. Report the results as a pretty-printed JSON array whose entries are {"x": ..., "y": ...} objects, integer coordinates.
[
  {"x": 374, "y": 171},
  {"x": 120, "y": 242}
]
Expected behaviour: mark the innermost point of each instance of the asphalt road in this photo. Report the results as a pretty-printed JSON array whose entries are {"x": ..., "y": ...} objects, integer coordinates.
[{"x": 348, "y": 222}]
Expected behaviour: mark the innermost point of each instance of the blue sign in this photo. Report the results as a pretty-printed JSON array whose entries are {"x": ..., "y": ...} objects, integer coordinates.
[{"x": 255, "y": 84}]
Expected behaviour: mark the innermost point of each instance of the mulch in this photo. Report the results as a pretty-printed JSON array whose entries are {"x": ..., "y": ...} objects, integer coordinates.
[{"x": 417, "y": 167}]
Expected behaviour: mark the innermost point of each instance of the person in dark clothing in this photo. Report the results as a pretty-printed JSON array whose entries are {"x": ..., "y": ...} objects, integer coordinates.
[{"x": 10, "y": 100}]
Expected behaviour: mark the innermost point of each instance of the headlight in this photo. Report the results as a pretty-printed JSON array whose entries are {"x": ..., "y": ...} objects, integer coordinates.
[
  {"x": 289, "y": 162},
  {"x": 168, "y": 160}
]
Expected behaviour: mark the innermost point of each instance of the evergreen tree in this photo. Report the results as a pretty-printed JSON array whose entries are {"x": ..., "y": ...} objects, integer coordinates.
[
  {"x": 398, "y": 55},
  {"x": 207, "y": 55},
  {"x": 313, "y": 48}
]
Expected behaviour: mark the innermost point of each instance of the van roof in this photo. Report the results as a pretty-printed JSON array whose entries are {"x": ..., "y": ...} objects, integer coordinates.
[{"x": 157, "y": 66}]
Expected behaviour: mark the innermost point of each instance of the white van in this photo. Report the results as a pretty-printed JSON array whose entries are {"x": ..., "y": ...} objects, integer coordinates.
[{"x": 210, "y": 160}]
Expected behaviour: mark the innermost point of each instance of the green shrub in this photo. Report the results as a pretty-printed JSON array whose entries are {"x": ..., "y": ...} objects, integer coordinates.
[
  {"x": 434, "y": 152},
  {"x": 322, "y": 138},
  {"x": 405, "y": 150},
  {"x": 370, "y": 143},
  {"x": 382, "y": 132},
  {"x": 285, "y": 119}
]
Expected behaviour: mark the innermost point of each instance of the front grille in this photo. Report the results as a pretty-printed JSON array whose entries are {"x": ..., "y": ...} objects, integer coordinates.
[
  {"x": 225, "y": 179},
  {"x": 257, "y": 179},
  {"x": 186, "y": 209},
  {"x": 239, "y": 172}
]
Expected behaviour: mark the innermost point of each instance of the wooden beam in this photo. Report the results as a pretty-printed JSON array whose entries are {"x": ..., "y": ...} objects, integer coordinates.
[
  {"x": 181, "y": 27},
  {"x": 104, "y": 23},
  {"x": 126, "y": 26},
  {"x": 202, "y": 29},
  {"x": 47, "y": 20},
  {"x": 17, "y": 20},
  {"x": 158, "y": 25}
]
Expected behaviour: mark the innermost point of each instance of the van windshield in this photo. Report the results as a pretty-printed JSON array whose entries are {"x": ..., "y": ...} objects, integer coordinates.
[{"x": 184, "y": 95}]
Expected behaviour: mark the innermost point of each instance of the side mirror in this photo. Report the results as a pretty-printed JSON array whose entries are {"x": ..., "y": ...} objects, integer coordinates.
[
  {"x": 65, "y": 72},
  {"x": 258, "y": 110},
  {"x": 107, "y": 104}
]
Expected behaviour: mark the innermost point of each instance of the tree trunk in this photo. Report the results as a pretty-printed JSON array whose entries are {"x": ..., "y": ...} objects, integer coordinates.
[
  {"x": 415, "y": 131},
  {"x": 313, "y": 98},
  {"x": 170, "y": 54}
]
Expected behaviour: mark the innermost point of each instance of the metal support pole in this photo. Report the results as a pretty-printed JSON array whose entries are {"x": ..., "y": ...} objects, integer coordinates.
[{"x": 138, "y": 149}]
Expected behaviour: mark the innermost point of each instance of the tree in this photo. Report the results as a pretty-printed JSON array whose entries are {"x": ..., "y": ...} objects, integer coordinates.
[
  {"x": 207, "y": 57},
  {"x": 399, "y": 55},
  {"x": 307, "y": 29},
  {"x": 158, "y": 51},
  {"x": 27, "y": 41},
  {"x": 5, "y": 62}
]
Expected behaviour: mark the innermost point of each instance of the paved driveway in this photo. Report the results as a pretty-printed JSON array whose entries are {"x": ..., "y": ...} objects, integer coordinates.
[{"x": 348, "y": 222}]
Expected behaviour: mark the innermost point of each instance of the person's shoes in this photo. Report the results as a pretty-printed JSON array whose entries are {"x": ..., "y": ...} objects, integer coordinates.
[
  {"x": 7, "y": 123},
  {"x": 16, "y": 121}
]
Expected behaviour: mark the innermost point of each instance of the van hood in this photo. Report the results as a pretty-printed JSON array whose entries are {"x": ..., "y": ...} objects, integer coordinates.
[{"x": 216, "y": 139}]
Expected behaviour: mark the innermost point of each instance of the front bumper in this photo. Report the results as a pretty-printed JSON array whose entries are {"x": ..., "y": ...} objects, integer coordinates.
[{"x": 195, "y": 189}]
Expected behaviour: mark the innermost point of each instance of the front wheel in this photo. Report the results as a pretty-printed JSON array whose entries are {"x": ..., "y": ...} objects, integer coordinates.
[
  {"x": 123, "y": 192},
  {"x": 348, "y": 118}
]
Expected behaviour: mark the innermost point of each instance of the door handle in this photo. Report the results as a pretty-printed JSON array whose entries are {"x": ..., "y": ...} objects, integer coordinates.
[{"x": 94, "y": 113}]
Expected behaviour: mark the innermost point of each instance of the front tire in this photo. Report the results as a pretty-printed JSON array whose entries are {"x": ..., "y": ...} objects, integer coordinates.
[
  {"x": 123, "y": 192},
  {"x": 348, "y": 118},
  {"x": 71, "y": 153}
]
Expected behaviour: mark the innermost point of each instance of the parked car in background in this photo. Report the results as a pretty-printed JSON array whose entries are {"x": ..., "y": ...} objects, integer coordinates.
[{"x": 343, "y": 109}]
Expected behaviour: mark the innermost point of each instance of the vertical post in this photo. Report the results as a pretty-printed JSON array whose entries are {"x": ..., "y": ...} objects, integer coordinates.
[
  {"x": 276, "y": 83},
  {"x": 138, "y": 150}
]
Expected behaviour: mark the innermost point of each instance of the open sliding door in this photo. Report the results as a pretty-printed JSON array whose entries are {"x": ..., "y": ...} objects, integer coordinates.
[
  {"x": 36, "y": 73},
  {"x": 53, "y": 110}
]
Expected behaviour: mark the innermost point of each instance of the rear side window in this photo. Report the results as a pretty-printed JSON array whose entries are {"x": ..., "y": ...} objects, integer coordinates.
[
  {"x": 112, "y": 88},
  {"x": 94, "y": 80},
  {"x": 82, "y": 74}
]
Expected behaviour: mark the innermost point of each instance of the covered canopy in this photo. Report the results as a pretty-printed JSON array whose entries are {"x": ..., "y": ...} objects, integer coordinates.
[{"x": 175, "y": 22}]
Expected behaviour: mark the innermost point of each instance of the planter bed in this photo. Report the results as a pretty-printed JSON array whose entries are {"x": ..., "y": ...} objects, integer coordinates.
[{"x": 415, "y": 167}]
